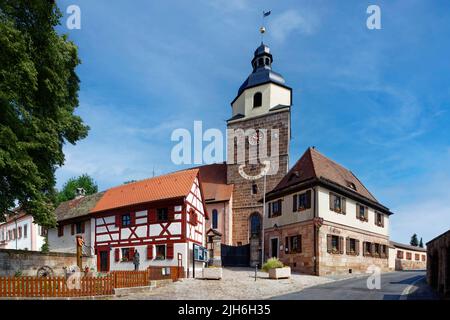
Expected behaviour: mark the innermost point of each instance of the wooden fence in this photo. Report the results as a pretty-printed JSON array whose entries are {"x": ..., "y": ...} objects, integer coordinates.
[
  {"x": 126, "y": 279},
  {"x": 89, "y": 286},
  {"x": 54, "y": 287}
]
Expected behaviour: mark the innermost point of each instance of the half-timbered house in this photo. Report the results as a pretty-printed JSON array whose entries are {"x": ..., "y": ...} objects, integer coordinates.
[{"x": 161, "y": 218}]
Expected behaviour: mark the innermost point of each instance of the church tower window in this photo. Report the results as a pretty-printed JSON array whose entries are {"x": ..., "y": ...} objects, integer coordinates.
[{"x": 257, "y": 100}]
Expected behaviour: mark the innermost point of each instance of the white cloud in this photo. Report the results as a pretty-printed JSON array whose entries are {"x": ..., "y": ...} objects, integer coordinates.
[{"x": 290, "y": 21}]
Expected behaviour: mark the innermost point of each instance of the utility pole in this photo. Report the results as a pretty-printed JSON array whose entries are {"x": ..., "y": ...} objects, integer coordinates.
[{"x": 262, "y": 220}]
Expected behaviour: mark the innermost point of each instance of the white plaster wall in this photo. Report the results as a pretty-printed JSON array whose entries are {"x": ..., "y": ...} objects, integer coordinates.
[
  {"x": 272, "y": 95},
  {"x": 144, "y": 262},
  {"x": 288, "y": 216},
  {"x": 67, "y": 243},
  {"x": 33, "y": 241},
  {"x": 392, "y": 256},
  {"x": 349, "y": 219}
]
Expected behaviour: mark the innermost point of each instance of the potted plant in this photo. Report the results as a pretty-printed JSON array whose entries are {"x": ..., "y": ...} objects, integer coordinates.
[
  {"x": 212, "y": 273},
  {"x": 276, "y": 269}
]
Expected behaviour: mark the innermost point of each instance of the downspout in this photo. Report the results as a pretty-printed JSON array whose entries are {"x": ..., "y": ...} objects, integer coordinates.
[
  {"x": 315, "y": 231},
  {"x": 17, "y": 231}
]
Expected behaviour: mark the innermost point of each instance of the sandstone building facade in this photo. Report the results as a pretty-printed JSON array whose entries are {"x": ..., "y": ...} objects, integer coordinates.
[{"x": 322, "y": 220}]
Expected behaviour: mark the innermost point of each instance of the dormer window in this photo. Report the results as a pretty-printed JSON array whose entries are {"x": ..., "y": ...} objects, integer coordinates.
[
  {"x": 351, "y": 185},
  {"x": 257, "y": 100}
]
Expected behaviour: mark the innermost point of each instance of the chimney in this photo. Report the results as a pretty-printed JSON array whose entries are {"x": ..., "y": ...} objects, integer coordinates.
[{"x": 80, "y": 193}]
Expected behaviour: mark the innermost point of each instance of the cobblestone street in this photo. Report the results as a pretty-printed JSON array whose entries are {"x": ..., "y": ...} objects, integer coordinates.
[{"x": 237, "y": 283}]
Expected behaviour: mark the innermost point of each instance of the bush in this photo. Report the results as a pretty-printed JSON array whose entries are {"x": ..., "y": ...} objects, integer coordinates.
[{"x": 272, "y": 263}]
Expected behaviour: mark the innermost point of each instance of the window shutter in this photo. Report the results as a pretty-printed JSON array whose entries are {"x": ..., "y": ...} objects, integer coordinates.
[
  {"x": 151, "y": 215},
  {"x": 133, "y": 218},
  {"x": 117, "y": 254},
  {"x": 357, "y": 212},
  {"x": 344, "y": 205},
  {"x": 170, "y": 251},
  {"x": 308, "y": 199},
  {"x": 270, "y": 209},
  {"x": 72, "y": 229},
  {"x": 372, "y": 249},
  {"x": 294, "y": 202},
  {"x": 171, "y": 213},
  {"x": 329, "y": 244},
  {"x": 382, "y": 220},
  {"x": 331, "y": 202},
  {"x": 357, "y": 247},
  {"x": 366, "y": 213},
  {"x": 82, "y": 226},
  {"x": 347, "y": 245},
  {"x": 150, "y": 252},
  {"x": 130, "y": 254},
  {"x": 364, "y": 249},
  {"x": 299, "y": 243},
  {"x": 341, "y": 245},
  {"x": 117, "y": 222}
]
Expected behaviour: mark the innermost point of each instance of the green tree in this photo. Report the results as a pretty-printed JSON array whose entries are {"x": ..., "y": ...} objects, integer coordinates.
[
  {"x": 414, "y": 241},
  {"x": 421, "y": 243},
  {"x": 38, "y": 96},
  {"x": 45, "y": 248},
  {"x": 69, "y": 190}
]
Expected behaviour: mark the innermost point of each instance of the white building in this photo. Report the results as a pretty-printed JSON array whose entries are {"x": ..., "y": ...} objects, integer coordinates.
[
  {"x": 162, "y": 218},
  {"x": 19, "y": 232}
]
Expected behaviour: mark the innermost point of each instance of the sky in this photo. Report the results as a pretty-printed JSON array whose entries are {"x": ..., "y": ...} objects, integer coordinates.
[{"x": 375, "y": 101}]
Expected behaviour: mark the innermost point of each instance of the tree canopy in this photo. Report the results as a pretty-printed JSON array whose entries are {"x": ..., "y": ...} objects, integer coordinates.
[
  {"x": 69, "y": 190},
  {"x": 38, "y": 96},
  {"x": 414, "y": 241}
]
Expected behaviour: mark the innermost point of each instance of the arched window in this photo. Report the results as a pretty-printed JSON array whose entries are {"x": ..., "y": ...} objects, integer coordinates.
[
  {"x": 257, "y": 100},
  {"x": 260, "y": 62},
  {"x": 267, "y": 61},
  {"x": 255, "y": 224},
  {"x": 215, "y": 219}
]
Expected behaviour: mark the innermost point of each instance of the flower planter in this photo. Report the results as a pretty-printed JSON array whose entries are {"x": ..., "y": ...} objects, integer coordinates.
[
  {"x": 212, "y": 273},
  {"x": 280, "y": 273}
]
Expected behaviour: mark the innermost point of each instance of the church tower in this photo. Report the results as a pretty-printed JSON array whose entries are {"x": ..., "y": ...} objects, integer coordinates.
[{"x": 263, "y": 102}]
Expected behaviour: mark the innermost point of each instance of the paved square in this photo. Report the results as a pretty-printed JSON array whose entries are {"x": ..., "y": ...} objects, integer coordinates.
[{"x": 237, "y": 283}]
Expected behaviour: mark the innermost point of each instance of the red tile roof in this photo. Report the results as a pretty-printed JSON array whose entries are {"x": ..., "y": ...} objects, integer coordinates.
[
  {"x": 313, "y": 164},
  {"x": 214, "y": 181},
  {"x": 169, "y": 186}
]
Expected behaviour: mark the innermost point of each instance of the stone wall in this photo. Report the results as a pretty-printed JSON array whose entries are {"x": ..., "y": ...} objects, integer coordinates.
[
  {"x": 29, "y": 262},
  {"x": 403, "y": 265},
  {"x": 244, "y": 202},
  {"x": 438, "y": 263},
  {"x": 303, "y": 261},
  {"x": 336, "y": 263}
]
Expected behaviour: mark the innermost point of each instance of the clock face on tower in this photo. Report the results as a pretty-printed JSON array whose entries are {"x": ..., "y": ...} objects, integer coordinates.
[{"x": 256, "y": 138}]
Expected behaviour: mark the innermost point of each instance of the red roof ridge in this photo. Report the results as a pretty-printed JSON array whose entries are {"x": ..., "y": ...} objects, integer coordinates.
[{"x": 155, "y": 177}]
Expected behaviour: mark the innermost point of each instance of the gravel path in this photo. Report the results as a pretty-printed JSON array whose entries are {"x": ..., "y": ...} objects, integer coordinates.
[{"x": 236, "y": 284}]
